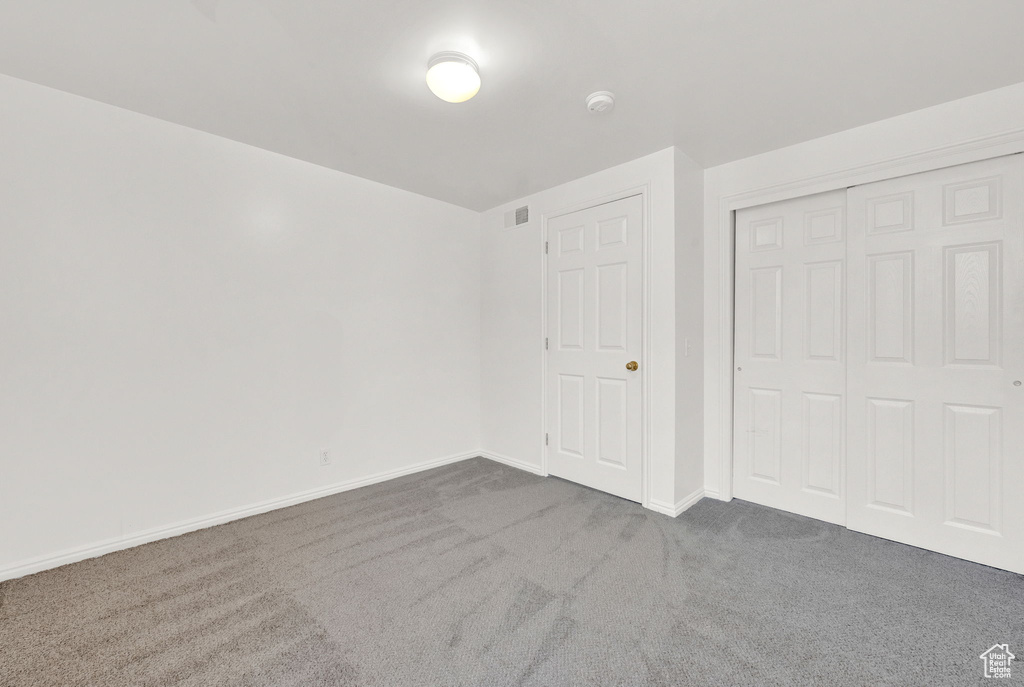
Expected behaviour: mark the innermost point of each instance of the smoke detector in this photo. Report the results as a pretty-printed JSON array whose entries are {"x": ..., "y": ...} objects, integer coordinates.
[{"x": 601, "y": 101}]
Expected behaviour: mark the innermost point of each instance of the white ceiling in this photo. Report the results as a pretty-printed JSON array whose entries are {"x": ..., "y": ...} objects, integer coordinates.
[{"x": 340, "y": 83}]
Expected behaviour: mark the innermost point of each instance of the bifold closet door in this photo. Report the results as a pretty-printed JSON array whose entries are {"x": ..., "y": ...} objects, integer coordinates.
[
  {"x": 790, "y": 373},
  {"x": 936, "y": 372}
]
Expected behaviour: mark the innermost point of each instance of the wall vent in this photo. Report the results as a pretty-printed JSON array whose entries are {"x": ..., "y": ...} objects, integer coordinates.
[{"x": 513, "y": 218}]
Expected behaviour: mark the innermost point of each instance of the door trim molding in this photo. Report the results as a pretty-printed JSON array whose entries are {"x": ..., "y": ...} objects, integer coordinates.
[
  {"x": 721, "y": 433},
  {"x": 643, "y": 190}
]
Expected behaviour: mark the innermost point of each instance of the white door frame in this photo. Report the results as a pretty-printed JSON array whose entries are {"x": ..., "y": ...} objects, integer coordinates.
[
  {"x": 645, "y": 327},
  {"x": 720, "y": 429}
]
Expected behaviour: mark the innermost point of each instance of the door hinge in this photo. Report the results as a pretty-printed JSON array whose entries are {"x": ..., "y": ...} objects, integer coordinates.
[
  {"x": 545, "y": 343},
  {"x": 545, "y": 438},
  {"x": 545, "y": 248}
]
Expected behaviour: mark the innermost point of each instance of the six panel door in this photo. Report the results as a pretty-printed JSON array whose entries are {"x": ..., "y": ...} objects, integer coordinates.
[
  {"x": 936, "y": 343},
  {"x": 594, "y": 285},
  {"x": 790, "y": 359}
]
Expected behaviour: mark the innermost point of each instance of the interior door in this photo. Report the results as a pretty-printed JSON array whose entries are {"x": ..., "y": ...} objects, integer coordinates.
[
  {"x": 790, "y": 378},
  {"x": 936, "y": 343},
  {"x": 594, "y": 287}
]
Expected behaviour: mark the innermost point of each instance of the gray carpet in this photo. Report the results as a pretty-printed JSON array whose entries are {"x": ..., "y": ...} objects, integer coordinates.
[{"x": 479, "y": 574}]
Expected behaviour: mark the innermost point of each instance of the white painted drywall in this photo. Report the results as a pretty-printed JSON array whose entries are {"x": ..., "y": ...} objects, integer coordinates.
[
  {"x": 512, "y": 322},
  {"x": 689, "y": 268},
  {"x": 186, "y": 320},
  {"x": 959, "y": 131}
]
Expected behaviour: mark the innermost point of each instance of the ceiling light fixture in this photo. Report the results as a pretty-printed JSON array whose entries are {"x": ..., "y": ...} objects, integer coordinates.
[{"x": 453, "y": 76}]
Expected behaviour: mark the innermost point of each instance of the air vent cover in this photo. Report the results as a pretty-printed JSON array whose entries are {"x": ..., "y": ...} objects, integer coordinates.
[{"x": 513, "y": 218}]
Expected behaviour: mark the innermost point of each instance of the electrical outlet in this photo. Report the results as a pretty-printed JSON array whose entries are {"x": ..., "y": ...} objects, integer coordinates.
[{"x": 325, "y": 456}]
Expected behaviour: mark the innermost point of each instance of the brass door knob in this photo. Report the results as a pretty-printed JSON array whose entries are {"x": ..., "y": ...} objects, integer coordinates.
[{"x": 631, "y": 365}]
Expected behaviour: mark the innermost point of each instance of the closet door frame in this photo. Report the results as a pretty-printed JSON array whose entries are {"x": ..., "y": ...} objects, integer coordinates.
[{"x": 719, "y": 322}]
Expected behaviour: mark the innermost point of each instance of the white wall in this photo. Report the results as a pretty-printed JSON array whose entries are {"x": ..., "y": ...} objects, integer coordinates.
[
  {"x": 973, "y": 128},
  {"x": 689, "y": 268},
  {"x": 186, "y": 320},
  {"x": 512, "y": 323}
]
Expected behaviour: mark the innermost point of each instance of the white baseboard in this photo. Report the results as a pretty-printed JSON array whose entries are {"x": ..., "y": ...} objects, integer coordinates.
[
  {"x": 672, "y": 510},
  {"x": 512, "y": 462},
  {"x": 714, "y": 494},
  {"x": 37, "y": 564}
]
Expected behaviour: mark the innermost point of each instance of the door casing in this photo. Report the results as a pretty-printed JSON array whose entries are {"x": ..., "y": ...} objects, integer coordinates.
[{"x": 719, "y": 429}]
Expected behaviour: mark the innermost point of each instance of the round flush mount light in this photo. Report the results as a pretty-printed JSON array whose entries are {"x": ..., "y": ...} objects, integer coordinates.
[
  {"x": 601, "y": 101},
  {"x": 453, "y": 76}
]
